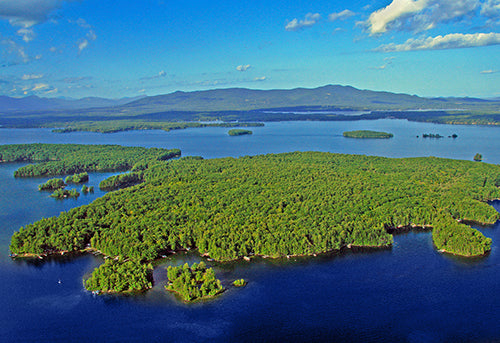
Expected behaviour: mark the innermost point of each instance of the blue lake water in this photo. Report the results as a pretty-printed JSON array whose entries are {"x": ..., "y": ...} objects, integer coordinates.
[{"x": 410, "y": 293}]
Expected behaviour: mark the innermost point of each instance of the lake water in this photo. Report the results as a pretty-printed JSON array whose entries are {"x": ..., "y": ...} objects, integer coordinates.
[{"x": 409, "y": 293}]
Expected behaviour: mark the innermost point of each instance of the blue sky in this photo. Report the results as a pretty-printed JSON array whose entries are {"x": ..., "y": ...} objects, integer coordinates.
[{"x": 79, "y": 48}]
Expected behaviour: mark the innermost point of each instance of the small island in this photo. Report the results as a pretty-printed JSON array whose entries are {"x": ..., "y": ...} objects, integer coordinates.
[
  {"x": 367, "y": 134},
  {"x": 239, "y": 132},
  {"x": 65, "y": 194},
  {"x": 239, "y": 283},
  {"x": 52, "y": 185},
  {"x": 120, "y": 277},
  {"x": 193, "y": 283},
  {"x": 86, "y": 189}
]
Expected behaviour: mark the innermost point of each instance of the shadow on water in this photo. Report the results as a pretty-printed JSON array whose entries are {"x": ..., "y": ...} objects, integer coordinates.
[{"x": 61, "y": 260}]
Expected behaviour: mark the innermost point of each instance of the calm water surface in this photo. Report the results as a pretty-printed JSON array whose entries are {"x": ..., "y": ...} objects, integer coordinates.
[{"x": 409, "y": 293}]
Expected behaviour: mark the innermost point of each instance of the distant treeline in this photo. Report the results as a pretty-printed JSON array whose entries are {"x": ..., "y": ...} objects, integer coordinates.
[
  {"x": 169, "y": 120},
  {"x": 127, "y": 125}
]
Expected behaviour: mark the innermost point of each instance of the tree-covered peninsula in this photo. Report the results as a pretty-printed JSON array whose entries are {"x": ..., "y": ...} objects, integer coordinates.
[
  {"x": 64, "y": 159},
  {"x": 367, "y": 134},
  {"x": 301, "y": 203}
]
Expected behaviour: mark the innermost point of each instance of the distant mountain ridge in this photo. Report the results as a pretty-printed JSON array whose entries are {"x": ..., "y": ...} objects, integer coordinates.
[
  {"x": 243, "y": 99},
  {"x": 35, "y": 103}
]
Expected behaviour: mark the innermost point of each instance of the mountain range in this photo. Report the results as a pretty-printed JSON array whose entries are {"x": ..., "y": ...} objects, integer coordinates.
[
  {"x": 35, "y": 103},
  {"x": 171, "y": 106}
]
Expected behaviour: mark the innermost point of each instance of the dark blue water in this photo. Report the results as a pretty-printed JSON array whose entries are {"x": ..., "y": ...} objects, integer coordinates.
[{"x": 410, "y": 293}]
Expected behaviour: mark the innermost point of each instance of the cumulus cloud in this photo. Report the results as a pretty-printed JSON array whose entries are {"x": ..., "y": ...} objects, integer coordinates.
[
  {"x": 27, "y": 13},
  {"x": 261, "y": 78},
  {"x": 419, "y": 15},
  {"x": 341, "y": 15},
  {"x": 397, "y": 9},
  {"x": 243, "y": 67},
  {"x": 449, "y": 41},
  {"x": 309, "y": 20},
  {"x": 491, "y": 8}
]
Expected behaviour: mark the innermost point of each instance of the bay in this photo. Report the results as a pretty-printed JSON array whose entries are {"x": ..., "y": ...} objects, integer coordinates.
[{"x": 410, "y": 293}]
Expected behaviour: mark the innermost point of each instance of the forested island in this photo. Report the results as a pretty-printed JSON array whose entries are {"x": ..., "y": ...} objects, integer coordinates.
[
  {"x": 367, "y": 134},
  {"x": 52, "y": 184},
  {"x": 120, "y": 277},
  {"x": 193, "y": 283},
  {"x": 239, "y": 132},
  {"x": 275, "y": 205},
  {"x": 65, "y": 193}
]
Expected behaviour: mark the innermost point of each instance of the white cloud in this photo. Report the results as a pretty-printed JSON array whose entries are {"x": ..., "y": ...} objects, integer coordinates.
[
  {"x": 84, "y": 43},
  {"x": 31, "y": 76},
  {"x": 309, "y": 20},
  {"x": 262, "y": 78},
  {"x": 449, "y": 41},
  {"x": 489, "y": 71},
  {"x": 40, "y": 87},
  {"x": 491, "y": 10},
  {"x": 243, "y": 67},
  {"x": 341, "y": 15},
  {"x": 27, "y": 33},
  {"x": 379, "y": 20},
  {"x": 419, "y": 15}
]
